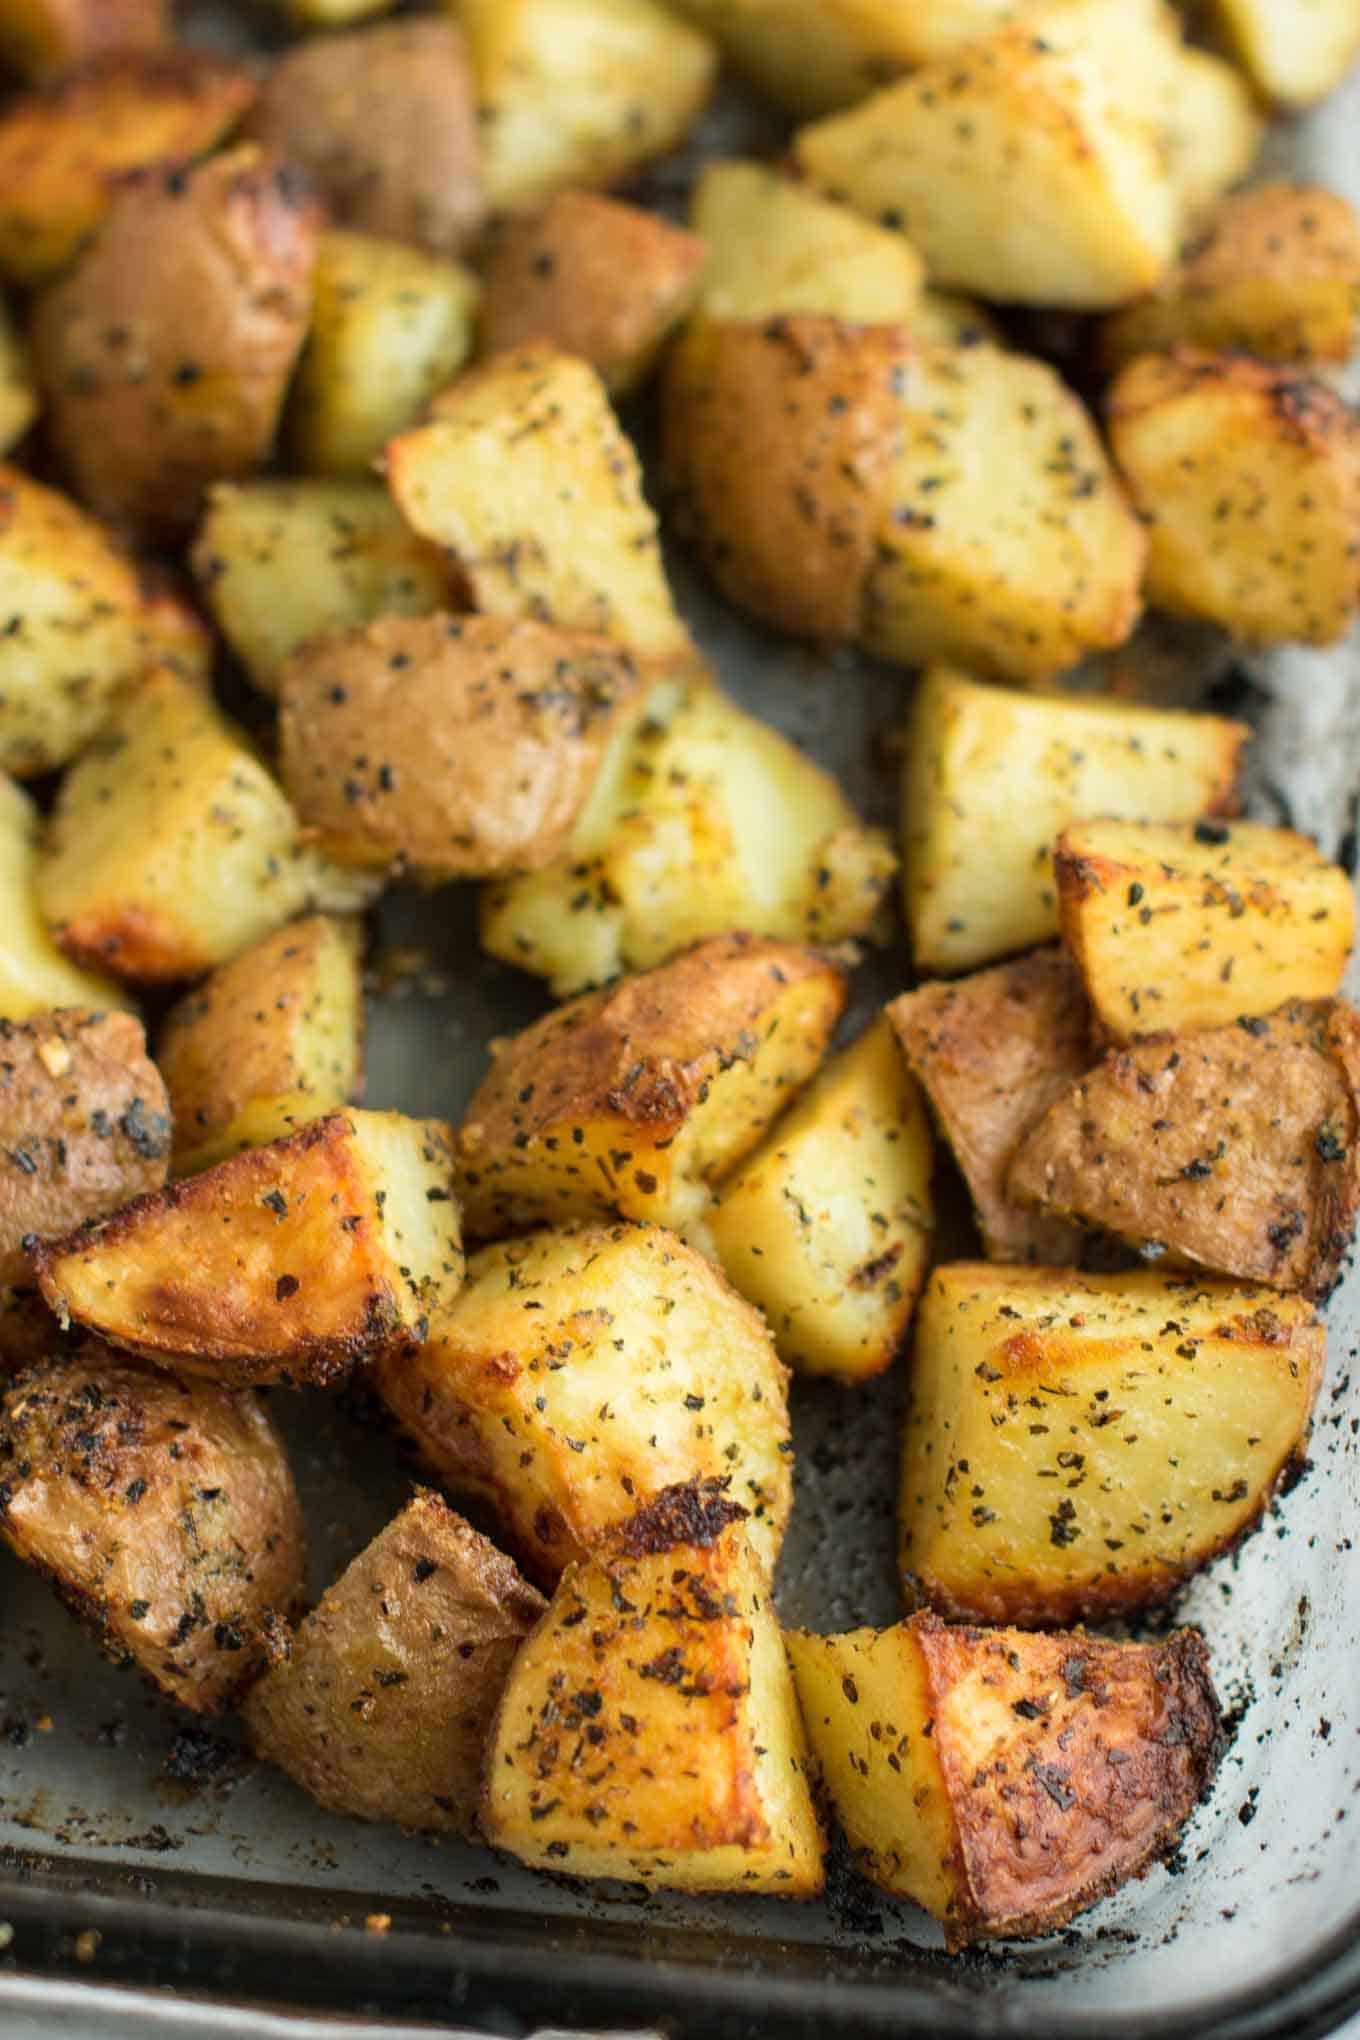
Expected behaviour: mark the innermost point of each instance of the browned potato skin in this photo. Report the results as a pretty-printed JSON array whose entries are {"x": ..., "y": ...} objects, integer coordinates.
[
  {"x": 481, "y": 737},
  {"x": 1235, "y": 1149},
  {"x": 211, "y": 269},
  {"x": 163, "y": 1512},
  {"x": 593, "y": 276},
  {"x": 84, "y": 1125},
  {"x": 779, "y": 445},
  {"x": 384, "y": 119},
  {"x": 381, "y": 1703},
  {"x": 992, "y": 1052},
  {"x": 41, "y": 36}
]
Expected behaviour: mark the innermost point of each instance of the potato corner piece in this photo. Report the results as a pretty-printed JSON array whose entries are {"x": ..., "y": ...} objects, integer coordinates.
[
  {"x": 1235, "y": 1149},
  {"x": 381, "y": 1703},
  {"x": 663, "y": 1661},
  {"x": 992, "y": 1052},
  {"x": 34, "y": 975},
  {"x": 39, "y": 37},
  {"x": 580, "y": 1373},
  {"x": 775, "y": 248},
  {"x": 457, "y": 747},
  {"x": 1006, "y": 1782},
  {"x": 525, "y": 476},
  {"x": 1291, "y": 60},
  {"x": 284, "y": 1263},
  {"x": 593, "y": 277},
  {"x": 162, "y": 1511},
  {"x": 780, "y": 441},
  {"x": 1178, "y": 925},
  {"x": 18, "y": 398},
  {"x": 977, "y": 867}
]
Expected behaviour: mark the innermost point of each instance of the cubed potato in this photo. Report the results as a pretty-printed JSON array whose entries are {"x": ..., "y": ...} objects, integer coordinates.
[
  {"x": 454, "y": 747},
  {"x": 579, "y": 91},
  {"x": 1180, "y": 925},
  {"x": 267, "y": 1042},
  {"x": 992, "y": 1052},
  {"x": 582, "y": 1372},
  {"x": 171, "y": 848},
  {"x": 84, "y": 1126},
  {"x": 663, "y": 1662},
  {"x": 593, "y": 277},
  {"x": 707, "y": 820},
  {"x": 34, "y": 975},
  {"x": 1003, "y": 1781},
  {"x": 827, "y": 1227},
  {"x": 1021, "y": 581},
  {"x": 636, "y": 1100},
  {"x": 391, "y": 325},
  {"x": 1235, "y": 1149},
  {"x": 383, "y": 120},
  {"x": 776, "y": 248},
  {"x": 381, "y": 1704},
  {"x": 978, "y": 873},
  {"x": 1078, "y": 1445},
  {"x": 38, "y": 37},
  {"x": 1247, "y": 477},
  {"x": 18, "y": 397},
  {"x": 64, "y": 148},
  {"x": 83, "y": 626},
  {"x": 1294, "y": 51},
  {"x": 163, "y": 1512},
  {"x": 209, "y": 268},
  {"x": 283, "y": 1263},
  {"x": 281, "y": 562},
  {"x": 525, "y": 476}
]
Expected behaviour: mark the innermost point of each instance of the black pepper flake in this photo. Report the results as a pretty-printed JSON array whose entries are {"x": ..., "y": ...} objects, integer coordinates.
[
  {"x": 286, "y": 1286},
  {"x": 422, "y": 1569}
]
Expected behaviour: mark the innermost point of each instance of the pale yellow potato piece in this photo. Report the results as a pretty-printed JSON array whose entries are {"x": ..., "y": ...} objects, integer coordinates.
[
  {"x": 777, "y": 248},
  {"x": 945, "y": 318},
  {"x": 1295, "y": 51},
  {"x": 34, "y": 975},
  {"x": 18, "y": 397}
]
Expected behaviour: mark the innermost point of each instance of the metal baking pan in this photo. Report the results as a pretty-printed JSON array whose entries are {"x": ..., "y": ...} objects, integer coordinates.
[{"x": 136, "y": 1848}]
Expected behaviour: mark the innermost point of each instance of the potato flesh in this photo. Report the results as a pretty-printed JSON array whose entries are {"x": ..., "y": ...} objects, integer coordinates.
[
  {"x": 776, "y": 248},
  {"x": 34, "y": 975},
  {"x": 1294, "y": 50},
  {"x": 1077, "y": 1446}
]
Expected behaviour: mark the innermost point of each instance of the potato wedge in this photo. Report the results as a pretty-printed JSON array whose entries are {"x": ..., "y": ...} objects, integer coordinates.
[
  {"x": 281, "y": 562},
  {"x": 1247, "y": 477},
  {"x": 776, "y": 249},
  {"x": 284, "y": 1263},
  {"x": 381, "y": 1703},
  {"x": 663, "y": 1662},
  {"x": 18, "y": 397},
  {"x": 1005, "y": 1782},
  {"x": 210, "y": 269},
  {"x": 268, "y": 1041},
  {"x": 593, "y": 277},
  {"x": 579, "y": 91},
  {"x": 977, "y": 868},
  {"x": 992, "y": 1052},
  {"x": 38, "y": 37},
  {"x": 1293, "y": 56},
  {"x": 637, "y": 1099},
  {"x": 1182, "y": 925},
  {"x": 580, "y": 1373},
  {"x": 1235, "y": 1149},
  {"x": 34, "y": 975},
  {"x": 383, "y": 121},
  {"x": 162, "y": 1511},
  {"x": 1078, "y": 1445},
  {"x": 65, "y": 147},
  {"x": 455, "y": 747},
  {"x": 171, "y": 848}
]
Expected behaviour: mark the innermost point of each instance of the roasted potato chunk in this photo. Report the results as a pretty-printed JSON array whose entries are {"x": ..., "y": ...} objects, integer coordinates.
[
  {"x": 593, "y": 277},
  {"x": 456, "y": 747},
  {"x": 992, "y": 1052},
  {"x": 284, "y": 1263},
  {"x": 665, "y": 1658},
  {"x": 827, "y": 1226},
  {"x": 65, "y": 148},
  {"x": 580, "y": 1373},
  {"x": 171, "y": 848},
  {"x": 281, "y": 562},
  {"x": 1235, "y": 1149},
  {"x": 1078, "y": 1445},
  {"x": 162, "y": 1511},
  {"x": 34, "y": 975},
  {"x": 776, "y": 249},
  {"x": 579, "y": 91},
  {"x": 384, "y": 122},
  {"x": 1179, "y": 925},
  {"x": 1006, "y": 1782},
  {"x": 1293, "y": 56},
  {"x": 977, "y": 870},
  {"x": 18, "y": 397},
  {"x": 380, "y": 1705},
  {"x": 268, "y": 1041},
  {"x": 38, "y": 37},
  {"x": 638, "y": 1098},
  {"x": 1247, "y": 477}
]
